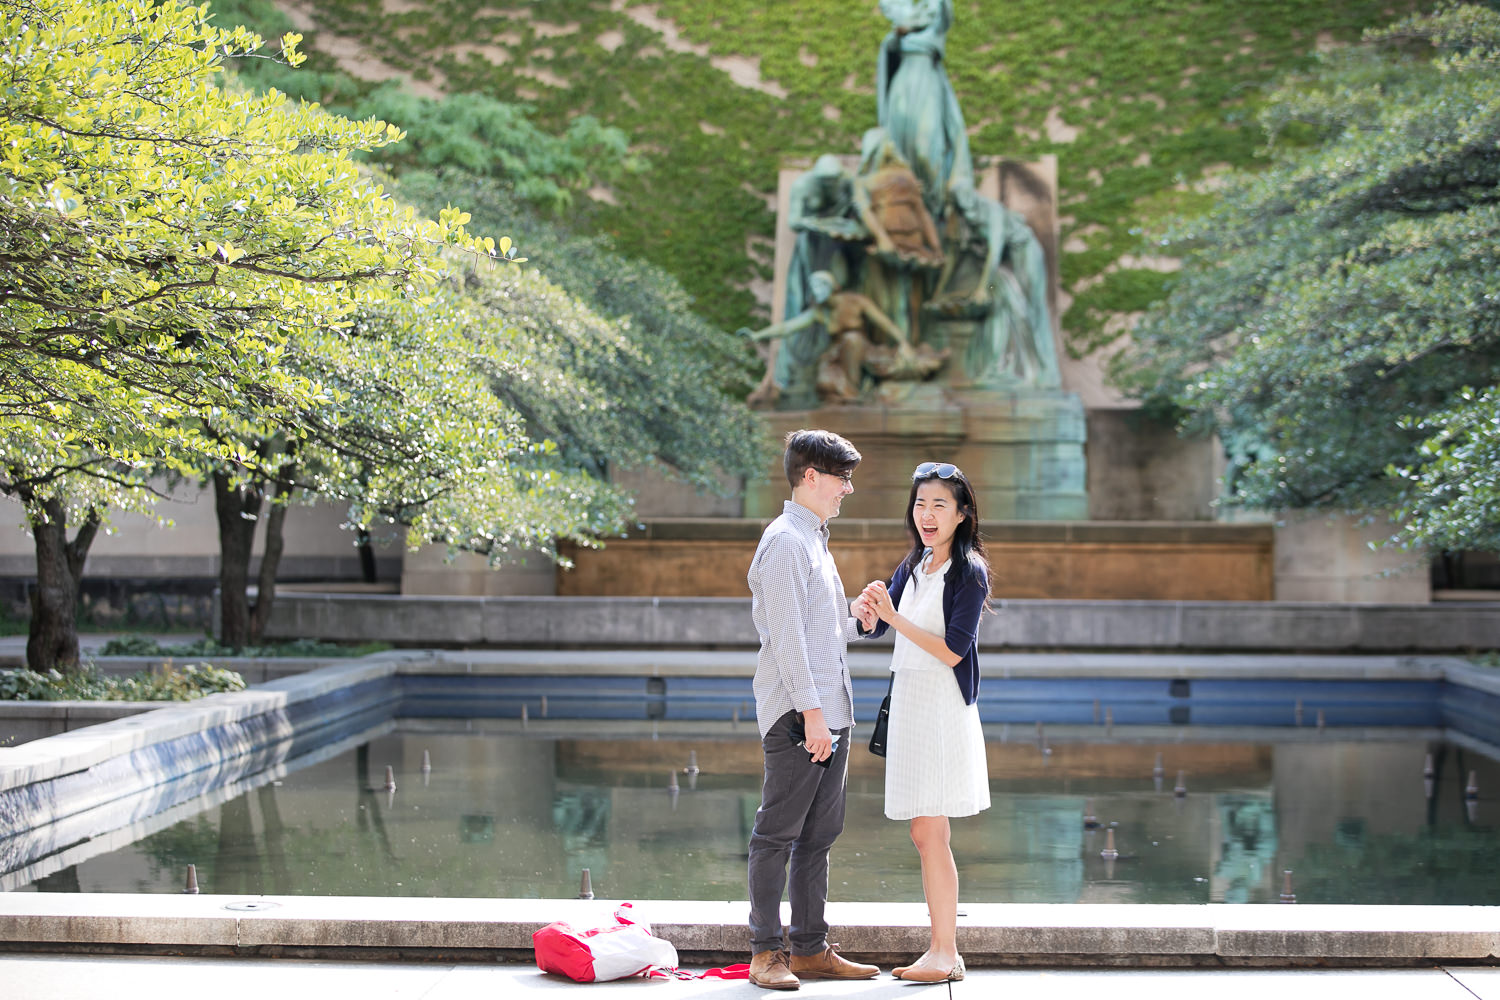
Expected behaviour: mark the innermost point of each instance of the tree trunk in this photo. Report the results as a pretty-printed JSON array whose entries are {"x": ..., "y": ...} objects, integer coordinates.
[
  {"x": 270, "y": 562},
  {"x": 366, "y": 555},
  {"x": 52, "y": 640},
  {"x": 238, "y": 510}
]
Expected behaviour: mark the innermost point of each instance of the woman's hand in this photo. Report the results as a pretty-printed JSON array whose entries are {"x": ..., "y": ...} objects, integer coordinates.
[
  {"x": 865, "y": 612},
  {"x": 880, "y": 600}
]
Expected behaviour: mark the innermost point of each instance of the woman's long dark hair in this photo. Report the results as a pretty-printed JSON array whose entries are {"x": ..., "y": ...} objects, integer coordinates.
[{"x": 968, "y": 548}]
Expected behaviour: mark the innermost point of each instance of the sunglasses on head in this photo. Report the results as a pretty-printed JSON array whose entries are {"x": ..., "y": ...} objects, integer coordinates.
[{"x": 943, "y": 470}]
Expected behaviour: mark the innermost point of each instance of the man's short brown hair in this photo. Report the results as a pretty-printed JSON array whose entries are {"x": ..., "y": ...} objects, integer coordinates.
[{"x": 821, "y": 450}]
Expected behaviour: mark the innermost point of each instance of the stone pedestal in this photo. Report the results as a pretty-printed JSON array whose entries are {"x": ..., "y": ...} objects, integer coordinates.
[{"x": 1022, "y": 450}]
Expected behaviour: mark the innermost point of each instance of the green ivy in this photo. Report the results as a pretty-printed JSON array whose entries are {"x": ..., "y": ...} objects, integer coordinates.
[{"x": 1176, "y": 80}]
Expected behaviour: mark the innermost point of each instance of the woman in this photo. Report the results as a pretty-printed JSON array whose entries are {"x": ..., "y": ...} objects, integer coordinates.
[{"x": 935, "y": 762}]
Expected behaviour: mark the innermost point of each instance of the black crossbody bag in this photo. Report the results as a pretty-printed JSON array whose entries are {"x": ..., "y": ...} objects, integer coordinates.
[{"x": 882, "y": 721}]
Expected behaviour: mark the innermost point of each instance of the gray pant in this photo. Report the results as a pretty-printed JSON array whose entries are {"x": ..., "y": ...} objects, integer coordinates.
[{"x": 801, "y": 814}]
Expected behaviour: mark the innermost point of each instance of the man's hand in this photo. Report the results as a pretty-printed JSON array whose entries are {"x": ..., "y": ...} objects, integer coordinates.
[{"x": 817, "y": 740}]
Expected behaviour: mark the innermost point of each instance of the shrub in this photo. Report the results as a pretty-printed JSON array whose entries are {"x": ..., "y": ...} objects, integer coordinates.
[
  {"x": 136, "y": 645},
  {"x": 170, "y": 683}
]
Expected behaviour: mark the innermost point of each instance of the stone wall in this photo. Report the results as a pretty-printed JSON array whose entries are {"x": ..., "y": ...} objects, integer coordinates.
[
  {"x": 1038, "y": 560},
  {"x": 1140, "y": 469},
  {"x": 1335, "y": 557}
]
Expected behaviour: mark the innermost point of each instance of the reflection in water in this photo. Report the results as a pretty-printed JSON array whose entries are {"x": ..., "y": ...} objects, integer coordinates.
[
  {"x": 518, "y": 814},
  {"x": 1247, "y": 848},
  {"x": 581, "y": 820}
]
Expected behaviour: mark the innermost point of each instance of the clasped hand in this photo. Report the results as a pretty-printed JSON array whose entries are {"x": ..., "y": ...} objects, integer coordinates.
[{"x": 873, "y": 603}]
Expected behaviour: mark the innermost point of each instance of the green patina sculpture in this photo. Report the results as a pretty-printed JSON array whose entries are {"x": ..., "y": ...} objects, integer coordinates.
[
  {"x": 904, "y": 245},
  {"x": 821, "y": 213},
  {"x": 914, "y": 100},
  {"x": 1009, "y": 293}
]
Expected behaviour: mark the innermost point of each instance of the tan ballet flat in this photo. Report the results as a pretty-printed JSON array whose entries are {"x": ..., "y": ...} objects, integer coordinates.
[{"x": 912, "y": 974}]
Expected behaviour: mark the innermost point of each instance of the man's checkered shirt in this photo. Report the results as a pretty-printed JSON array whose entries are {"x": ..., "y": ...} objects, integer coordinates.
[{"x": 799, "y": 609}]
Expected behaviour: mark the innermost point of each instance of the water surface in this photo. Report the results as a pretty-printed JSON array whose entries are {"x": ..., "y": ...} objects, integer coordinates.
[{"x": 506, "y": 812}]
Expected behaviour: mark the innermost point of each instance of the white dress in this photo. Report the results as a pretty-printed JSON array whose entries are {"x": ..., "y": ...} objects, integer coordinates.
[{"x": 935, "y": 761}]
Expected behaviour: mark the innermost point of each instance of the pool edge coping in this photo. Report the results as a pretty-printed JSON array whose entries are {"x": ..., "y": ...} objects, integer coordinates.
[{"x": 989, "y": 934}]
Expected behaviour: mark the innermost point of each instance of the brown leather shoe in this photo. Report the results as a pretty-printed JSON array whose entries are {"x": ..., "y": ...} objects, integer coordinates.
[
  {"x": 829, "y": 964},
  {"x": 768, "y": 970}
]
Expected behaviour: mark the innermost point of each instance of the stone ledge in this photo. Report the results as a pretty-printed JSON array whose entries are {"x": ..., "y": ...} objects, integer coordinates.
[
  {"x": 1168, "y": 627},
  {"x": 989, "y": 934},
  {"x": 873, "y": 659},
  {"x": 80, "y": 749},
  {"x": 255, "y": 670},
  {"x": 1362, "y": 932}
]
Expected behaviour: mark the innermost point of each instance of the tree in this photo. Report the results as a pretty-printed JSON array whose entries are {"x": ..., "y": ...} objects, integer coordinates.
[
  {"x": 1452, "y": 495},
  {"x": 417, "y": 436},
  {"x": 1332, "y": 308},
  {"x": 160, "y": 239},
  {"x": 674, "y": 378},
  {"x": 199, "y": 282}
]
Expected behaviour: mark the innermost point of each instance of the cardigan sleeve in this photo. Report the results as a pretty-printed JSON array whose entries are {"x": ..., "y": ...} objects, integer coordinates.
[
  {"x": 963, "y": 620},
  {"x": 895, "y": 585}
]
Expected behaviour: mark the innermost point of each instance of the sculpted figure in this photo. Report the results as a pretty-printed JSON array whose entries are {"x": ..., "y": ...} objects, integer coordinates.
[
  {"x": 915, "y": 101},
  {"x": 894, "y": 210},
  {"x": 890, "y": 203},
  {"x": 822, "y": 215},
  {"x": 838, "y": 319},
  {"x": 821, "y": 212},
  {"x": 1009, "y": 288}
]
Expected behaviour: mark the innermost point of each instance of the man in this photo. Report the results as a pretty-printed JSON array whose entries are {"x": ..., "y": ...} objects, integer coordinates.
[{"x": 804, "y": 703}]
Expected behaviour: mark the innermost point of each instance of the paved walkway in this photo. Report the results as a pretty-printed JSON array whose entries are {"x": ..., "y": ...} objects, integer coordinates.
[{"x": 56, "y": 977}]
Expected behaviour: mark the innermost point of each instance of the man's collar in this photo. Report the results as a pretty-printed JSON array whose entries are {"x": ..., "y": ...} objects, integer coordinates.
[{"x": 805, "y": 515}]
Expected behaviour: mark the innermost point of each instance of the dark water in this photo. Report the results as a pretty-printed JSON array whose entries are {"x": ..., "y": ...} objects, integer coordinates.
[{"x": 507, "y": 813}]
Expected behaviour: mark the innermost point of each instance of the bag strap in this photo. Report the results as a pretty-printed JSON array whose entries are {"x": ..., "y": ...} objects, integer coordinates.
[{"x": 728, "y": 972}]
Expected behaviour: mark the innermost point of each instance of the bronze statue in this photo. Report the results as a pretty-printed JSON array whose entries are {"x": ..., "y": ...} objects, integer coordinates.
[
  {"x": 905, "y": 250},
  {"x": 915, "y": 102},
  {"x": 822, "y": 214}
]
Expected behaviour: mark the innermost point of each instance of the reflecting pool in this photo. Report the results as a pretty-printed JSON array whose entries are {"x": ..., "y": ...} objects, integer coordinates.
[{"x": 512, "y": 811}]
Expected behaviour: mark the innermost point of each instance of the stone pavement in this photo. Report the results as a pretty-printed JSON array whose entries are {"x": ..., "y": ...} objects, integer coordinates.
[{"x": 59, "y": 977}]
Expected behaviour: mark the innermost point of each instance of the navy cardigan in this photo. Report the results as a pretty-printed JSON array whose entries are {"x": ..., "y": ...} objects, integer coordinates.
[{"x": 962, "y": 604}]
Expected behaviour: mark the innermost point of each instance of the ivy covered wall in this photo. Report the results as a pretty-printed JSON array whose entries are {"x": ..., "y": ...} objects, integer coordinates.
[{"x": 1141, "y": 100}]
